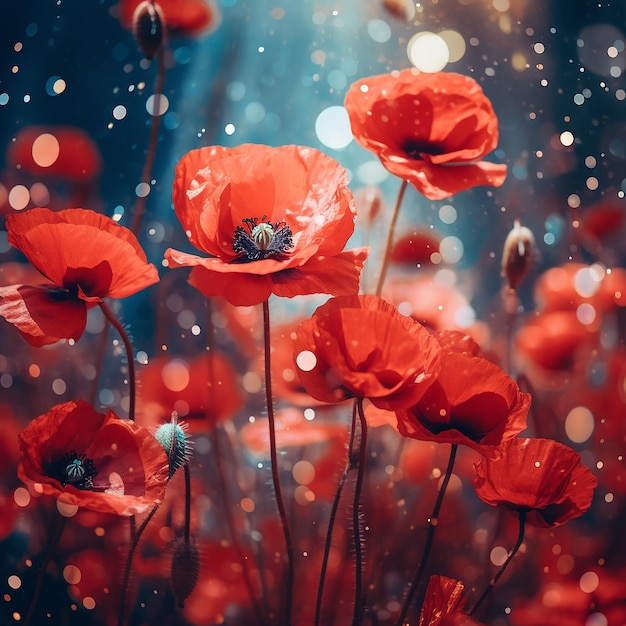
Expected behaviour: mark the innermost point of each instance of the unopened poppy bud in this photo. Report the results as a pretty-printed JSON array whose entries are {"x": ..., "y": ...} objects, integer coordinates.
[
  {"x": 173, "y": 438},
  {"x": 185, "y": 567},
  {"x": 148, "y": 26},
  {"x": 517, "y": 254}
]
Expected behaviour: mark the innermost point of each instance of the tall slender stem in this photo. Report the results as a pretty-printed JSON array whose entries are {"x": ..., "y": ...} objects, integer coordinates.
[
  {"x": 390, "y": 234},
  {"x": 333, "y": 516},
  {"x": 358, "y": 548},
  {"x": 140, "y": 205},
  {"x": 274, "y": 463},
  {"x": 54, "y": 542},
  {"x": 129, "y": 564},
  {"x": 129, "y": 357},
  {"x": 433, "y": 522},
  {"x": 509, "y": 558}
]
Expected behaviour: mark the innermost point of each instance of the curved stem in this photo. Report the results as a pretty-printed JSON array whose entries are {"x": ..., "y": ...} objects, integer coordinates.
[
  {"x": 432, "y": 527},
  {"x": 274, "y": 463},
  {"x": 509, "y": 558},
  {"x": 333, "y": 516},
  {"x": 129, "y": 564},
  {"x": 187, "y": 504},
  {"x": 358, "y": 548},
  {"x": 392, "y": 227},
  {"x": 54, "y": 542},
  {"x": 140, "y": 205},
  {"x": 129, "y": 357}
]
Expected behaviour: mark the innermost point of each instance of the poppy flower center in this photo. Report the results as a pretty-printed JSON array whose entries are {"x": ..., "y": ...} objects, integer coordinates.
[
  {"x": 414, "y": 149},
  {"x": 73, "y": 469},
  {"x": 261, "y": 240}
]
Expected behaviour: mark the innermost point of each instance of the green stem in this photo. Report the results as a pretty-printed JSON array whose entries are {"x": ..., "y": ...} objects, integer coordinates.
[
  {"x": 54, "y": 542},
  {"x": 433, "y": 522},
  {"x": 390, "y": 234},
  {"x": 274, "y": 463},
  {"x": 129, "y": 564},
  {"x": 358, "y": 548},
  {"x": 129, "y": 357},
  {"x": 509, "y": 558},
  {"x": 333, "y": 516}
]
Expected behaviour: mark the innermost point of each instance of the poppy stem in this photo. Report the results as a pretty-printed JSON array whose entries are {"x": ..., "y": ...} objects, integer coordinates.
[
  {"x": 390, "y": 234},
  {"x": 509, "y": 558},
  {"x": 129, "y": 564},
  {"x": 433, "y": 522},
  {"x": 140, "y": 205},
  {"x": 333, "y": 516},
  {"x": 274, "y": 462},
  {"x": 129, "y": 357},
  {"x": 358, "y": 547},
  {"x": 54, "y": 542}
]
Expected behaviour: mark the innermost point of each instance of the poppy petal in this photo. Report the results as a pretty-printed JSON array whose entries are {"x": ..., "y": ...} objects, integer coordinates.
[{"x": 43, "y": 314}]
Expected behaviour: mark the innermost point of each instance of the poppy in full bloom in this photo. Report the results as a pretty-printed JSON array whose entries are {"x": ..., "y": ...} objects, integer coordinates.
[
  {"x": 472, "y": 402},
  {"x": 429, "y": 129},
  {"x": 86, "y": 257},
  {"x": 361, "y": 346},
  {"x": 541, "y": 477},
  {"x": 273, "y": 220},
  {"x": 93, "y": 460}
]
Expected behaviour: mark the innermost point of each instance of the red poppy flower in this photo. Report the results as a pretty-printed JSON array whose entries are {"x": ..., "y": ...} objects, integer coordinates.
[
  {"x": 185, "y": 17},
  {"x": 85, "y": 255},
  {"x": 567, "y": 287},
  {"x": 542, "y": 477},
  {"x": 443, "y": 604},
  {"x": 472, "y": 402},
  {"x": 93, "y": 461},
  {"x": 428, "y": 129},
  {"x": 203, "y": 390},
  {"x": 552, "y": 340},
  {"x": 61, "y": 151},
  {"x": 361, "y": 346},
  {"x": 274, "y": 220}
]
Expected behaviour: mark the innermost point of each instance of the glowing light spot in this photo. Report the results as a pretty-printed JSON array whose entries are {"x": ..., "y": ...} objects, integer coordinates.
[
  {"x": 518, "y": 61},
  {"x": 157, "y": 104},
  {"x": 59, "y": 386},
  {"x": 539, "y": 48},
  {"x": 247, "y": 505},
  {"x": 332, "y": 128},
  {"x": 251, "y": 382},
  {"x": 589, "y": 582},
  {"x": 566, "y": 138},
  {"x": 306, "y": 360},
  {"x": 72, "y": 574},
  {"x": 428, "y": 52},
  {"x": 175, "y": 375},
  {"x": 89, "y": 603},
  {"x": 451, "y": 249},
  {"x": 456, "y": 45},
  {"x": 45, "y": 150},
  {"x": 309, "y": 414},
  {"x": 66, "y": 509},
  {"x": 229, "y": 129},
  {"x": 119, "y": 112},
  {"x": 21, "y": 496},
  {"x": 303, "y": 472},
  {"x": 447, "y": 214},
  {"x": 587, "y": 280},
  {"x": 586, "y": 314},
  {"x": 142, "y": 190},
  {"x": 19, "y": 197},
  {"x": 579, "y": 424},
  {"x": 498, "y": 555},
  {"x": 15, "y": 582}
]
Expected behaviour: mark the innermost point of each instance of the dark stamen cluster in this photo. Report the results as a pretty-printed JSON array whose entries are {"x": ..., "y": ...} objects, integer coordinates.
[
  {"x": 73, "y": 469},
  {"x": 261, "y": 240}
]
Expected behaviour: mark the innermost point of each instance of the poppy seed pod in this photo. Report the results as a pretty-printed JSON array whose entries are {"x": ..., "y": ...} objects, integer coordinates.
[
  {"x": 149, "y": 27},
  {"x": 185, "y": 569},
  {"x": 517, "y": 254}
]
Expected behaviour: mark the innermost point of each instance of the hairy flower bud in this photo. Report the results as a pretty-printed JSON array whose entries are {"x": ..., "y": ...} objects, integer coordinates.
[
  {"x": 148, "y": 27},
  {"x": 185, "y": 568},
  {"x": 173, "y": 438},
  {"x": 517, "y": 254}
]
